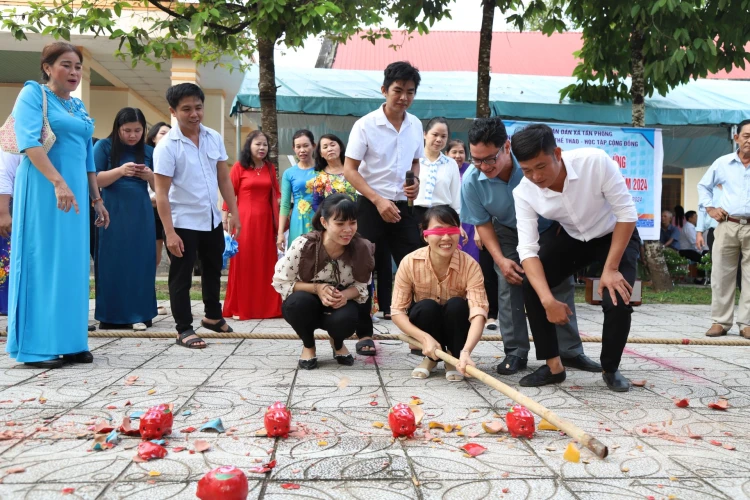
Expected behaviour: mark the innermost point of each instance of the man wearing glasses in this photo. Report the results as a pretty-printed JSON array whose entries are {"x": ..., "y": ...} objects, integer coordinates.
[{"x": 487, "y": 203}]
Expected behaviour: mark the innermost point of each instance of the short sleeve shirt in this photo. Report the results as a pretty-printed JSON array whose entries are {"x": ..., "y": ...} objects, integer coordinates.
[
  {"x": 484, "y": 199},
  {"x": 387, "y": 153},
  {"x": 194, "y": 194}
]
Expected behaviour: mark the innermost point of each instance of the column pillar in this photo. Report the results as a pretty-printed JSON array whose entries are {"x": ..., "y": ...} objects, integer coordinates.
[
  {"x": 83, "y": 92},
  {"x": 184, "y": 70}
]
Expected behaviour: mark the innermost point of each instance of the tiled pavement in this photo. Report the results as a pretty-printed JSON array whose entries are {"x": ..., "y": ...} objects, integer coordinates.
[{"x": 338, "y": 454}]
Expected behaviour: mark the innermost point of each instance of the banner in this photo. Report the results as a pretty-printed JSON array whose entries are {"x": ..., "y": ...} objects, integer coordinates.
[{"x": 638, "y": 152}]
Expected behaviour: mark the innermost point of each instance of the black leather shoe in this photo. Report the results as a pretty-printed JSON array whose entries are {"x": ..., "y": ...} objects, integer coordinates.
[
  {"x": 582, "y": 362},
  {"x": 510, "y": 365},
  {"x": 343, "y": 359},
  {"x": 616, "y": 381},
  {"x": 81, "y": 357},
  {"x": 542, "y": 376},
  {"x": 92, "y": 328},
  {"x": 51, "y": 364},
  {"x": 308, "y": 364}
]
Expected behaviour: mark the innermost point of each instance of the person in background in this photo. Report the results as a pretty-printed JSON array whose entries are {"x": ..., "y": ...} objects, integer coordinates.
[
  {"x": 584, "y": 191},
  {"x": 440, "y": 179},
  {"x": 125, "y": 293},
  {"x": 329, "y": 165},
  {"x": 153, "y": 137},
  {"x": 383, "y": 146},
  {"x": 688, "y": 237},
  {"x": 439, "y": 296},
  {"x": 732, "y": 234},
  {"x": 48, "y": 306},
  {"x": 323, "y": 280},
  {"x": 473, "y": 246},
  {"x": 249, "y": 291},
  {"x": 296, "y": 189},
  {"x": 488, "y": 203},
  {"x": 678, "y": 219},
  {"x": 191, "y": 169},
  {"x": 8, "y": 166},
  {"x": 669, "y": 235}
]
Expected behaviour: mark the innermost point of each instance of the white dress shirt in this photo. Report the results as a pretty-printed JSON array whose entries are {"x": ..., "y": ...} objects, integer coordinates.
[
  {"x": 194, "y": 194},
  {"x": 594, "y": 198},
  {"x": 687, "y": 236},
  {"x": 734, "y": 177},
  {"x": 440, "y": 183},
  {"x": 8, "y": 166},
  {"x": 386, "y": 152}
]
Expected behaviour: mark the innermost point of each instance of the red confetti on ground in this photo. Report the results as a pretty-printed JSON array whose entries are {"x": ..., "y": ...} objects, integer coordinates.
[
  {"x": 715, "y": 443},
  {"x": 188, "y": 430},
  {"x": 290, "y": 486},
  {"x": 506, "y": 490},
  {"x": 721, "y": 404},
  {"x": 373, "y": 403},
  {"x": 68, "y": 491},
  {"x": 474, "y": 449},
  {"x": 682, "y": 403},
  {"x": 179, "y": 449},
  {"x": 728, "y": 447}
]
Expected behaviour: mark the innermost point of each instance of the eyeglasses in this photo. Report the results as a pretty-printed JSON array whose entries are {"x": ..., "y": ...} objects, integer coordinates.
[{"x": 487, "y": 161}]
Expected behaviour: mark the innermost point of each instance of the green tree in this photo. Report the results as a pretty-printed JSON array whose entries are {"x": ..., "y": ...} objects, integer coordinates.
[
  {"x": 212, "y": 32},
  {"x": 633, "y": 49}
]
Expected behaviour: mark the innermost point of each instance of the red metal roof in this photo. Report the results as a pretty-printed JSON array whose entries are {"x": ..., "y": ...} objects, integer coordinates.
[{"x": 527, "y": 53}]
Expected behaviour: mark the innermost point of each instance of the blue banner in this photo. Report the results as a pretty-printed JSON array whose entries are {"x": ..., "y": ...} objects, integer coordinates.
[{"x": 638, "y": 152}]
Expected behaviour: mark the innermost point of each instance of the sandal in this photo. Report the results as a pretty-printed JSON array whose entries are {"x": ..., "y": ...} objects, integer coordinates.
[
  {"x": 343, "y": 359},
  {"x": 190, "y": 344},
  {"x": 453, "y": 376},
  {"x": 424, "y": 370},
  {"x": 366, "y": 343},
  {"x": 216, "y": 327}
]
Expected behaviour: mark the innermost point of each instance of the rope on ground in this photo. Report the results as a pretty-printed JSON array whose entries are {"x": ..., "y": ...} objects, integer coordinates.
[{"x": 382, "y": 336}]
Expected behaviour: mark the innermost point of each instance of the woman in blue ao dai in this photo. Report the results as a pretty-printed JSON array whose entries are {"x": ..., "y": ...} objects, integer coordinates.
[{"x": 49, "y": 287}]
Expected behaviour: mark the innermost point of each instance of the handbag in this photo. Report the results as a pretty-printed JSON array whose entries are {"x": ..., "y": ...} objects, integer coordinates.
[{"x": 8, "y": 141}]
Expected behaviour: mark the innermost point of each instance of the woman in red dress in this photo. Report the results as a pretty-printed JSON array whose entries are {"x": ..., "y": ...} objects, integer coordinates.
[{"x": 249, "y": 291}]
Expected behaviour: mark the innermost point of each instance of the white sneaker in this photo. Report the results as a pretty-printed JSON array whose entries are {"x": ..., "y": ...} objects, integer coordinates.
[
  {"x": 375, "y": 319},
  {"x": 140, "y": 327},
  {"x": 161, "y": 311}
]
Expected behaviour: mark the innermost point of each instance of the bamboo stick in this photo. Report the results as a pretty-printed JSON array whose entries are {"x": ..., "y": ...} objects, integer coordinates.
[{"x": 584, "y": 438}]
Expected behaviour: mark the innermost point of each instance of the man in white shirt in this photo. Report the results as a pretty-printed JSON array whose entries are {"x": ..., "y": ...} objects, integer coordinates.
[
  {"x": 8, "y": 166},
  {"x": 383, "y": 146},
  {"x": 190, "y": 164},
  {"x": 585, "y": 192},
  {"x": 732, "y": 234}
]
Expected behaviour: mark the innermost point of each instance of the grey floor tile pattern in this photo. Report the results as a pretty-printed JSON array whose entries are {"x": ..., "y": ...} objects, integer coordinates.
[{"x": 335, "y": 452}]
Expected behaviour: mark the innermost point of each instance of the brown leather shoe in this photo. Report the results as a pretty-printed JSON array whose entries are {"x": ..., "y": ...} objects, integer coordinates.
[
  {"x": 745, "y": 332},
  {"x": 716, "y": 330}
]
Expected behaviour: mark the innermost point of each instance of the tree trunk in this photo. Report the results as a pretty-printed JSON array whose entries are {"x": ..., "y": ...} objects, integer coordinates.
[
  {"x": 654, "y": 254},
  {"x": 267, "y": 94},
  {"x": 483, "y": 68}
]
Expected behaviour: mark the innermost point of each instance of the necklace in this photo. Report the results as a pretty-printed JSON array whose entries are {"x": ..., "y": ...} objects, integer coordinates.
[
  {"x": 66, "y": 104},
  {"x": 257, "y": 169}
]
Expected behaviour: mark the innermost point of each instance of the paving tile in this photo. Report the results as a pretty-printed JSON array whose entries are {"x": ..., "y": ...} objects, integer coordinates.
[
  {"x": 254, "y": 396},
  {"x": 158, "y": 377},
  {"x": 480, "y": 489},
  {"x": 236, "y": 378},
  {"x": 616, "y": 489},
  {"x": 44, "y": 491},
  {"x": 446, "y": 461},
  {"x": 387, "y": 489}
]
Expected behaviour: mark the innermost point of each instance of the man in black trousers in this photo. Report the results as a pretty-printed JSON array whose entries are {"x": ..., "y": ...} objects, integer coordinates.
[{"x": 585, "y": 192}]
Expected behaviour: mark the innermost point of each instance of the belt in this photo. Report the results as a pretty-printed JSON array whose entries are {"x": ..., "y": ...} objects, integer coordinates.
[{"x": 737, "y": 220}]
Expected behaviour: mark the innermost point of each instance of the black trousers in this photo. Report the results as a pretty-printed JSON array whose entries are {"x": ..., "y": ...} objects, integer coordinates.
[
  {"x": 384, "y": 272},
  {"x": 561, "y": 257},
  {"x": 447, "y": 324},
  {"x": 305, "y": 312},
  {"x": 487, "y": 263},
  {"x": 208, "y": 247},
  {"x": 402, "y": 236}
]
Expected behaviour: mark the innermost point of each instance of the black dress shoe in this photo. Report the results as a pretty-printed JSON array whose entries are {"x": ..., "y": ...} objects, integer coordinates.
[
  {"x": 81, "y": 357},
  {"x": 582, "y": 362},
  {"x": 616, "y": 381},
  {"x": 510, "y": 365},
  {"x": 308, "y": 364},
  {"x": 343, "y": 359},
  {"x": 92, "y": 328},
  {"x": 50, "y": 364},
  {"x": 542, "y": 376}
]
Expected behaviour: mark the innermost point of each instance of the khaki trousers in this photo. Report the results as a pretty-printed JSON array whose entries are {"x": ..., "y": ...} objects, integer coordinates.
[{"x": 731, "y": 240}]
